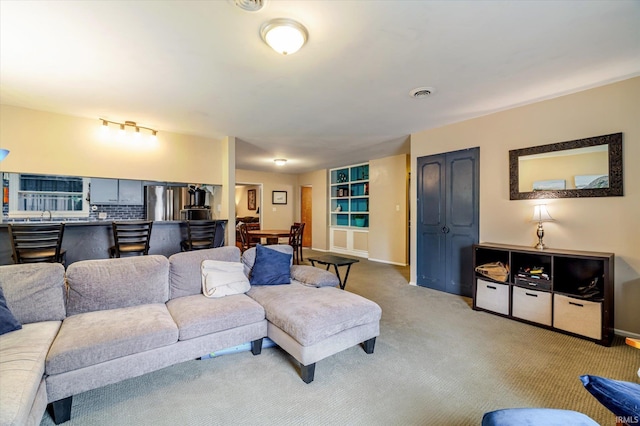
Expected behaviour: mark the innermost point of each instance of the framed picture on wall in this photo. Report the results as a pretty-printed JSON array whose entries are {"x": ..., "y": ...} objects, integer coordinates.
[
  {"x": 251, "y": 199},
  {"x": 279, "y": 197}
]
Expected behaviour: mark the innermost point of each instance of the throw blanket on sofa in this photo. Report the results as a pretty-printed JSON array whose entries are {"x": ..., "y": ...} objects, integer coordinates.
[{"x": 223, "y": 278}]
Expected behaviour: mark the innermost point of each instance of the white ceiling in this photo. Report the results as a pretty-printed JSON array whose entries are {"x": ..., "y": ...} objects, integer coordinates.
[{"x": 200, "y": 67}]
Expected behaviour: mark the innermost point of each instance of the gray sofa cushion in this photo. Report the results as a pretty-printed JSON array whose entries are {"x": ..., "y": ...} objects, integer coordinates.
[
  {"x": 117, "y": 283},
  {"x": 314, "y": 277},
  {"x": 185, "y": 278},
  {"x": 198, "y": 315},
  {"x": 310, "y": 315},
  {"x": 22, "y": 355},
  {"x": 34, "y": 292},
  {"x": 94, "y": 337}
]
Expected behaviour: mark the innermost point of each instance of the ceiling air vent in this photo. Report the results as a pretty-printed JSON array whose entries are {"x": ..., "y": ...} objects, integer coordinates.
[
  {"x": 250, "y": 5},
  {"x": 422, "y": 92}
]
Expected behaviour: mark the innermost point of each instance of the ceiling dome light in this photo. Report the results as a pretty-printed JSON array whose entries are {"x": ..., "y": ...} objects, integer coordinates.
[
  {"x": 283, "y": 35},
  {"x": 280, "y": 161}
]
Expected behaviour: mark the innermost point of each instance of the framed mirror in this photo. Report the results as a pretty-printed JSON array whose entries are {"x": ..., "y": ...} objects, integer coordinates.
[{"x": 590, "y": 167}]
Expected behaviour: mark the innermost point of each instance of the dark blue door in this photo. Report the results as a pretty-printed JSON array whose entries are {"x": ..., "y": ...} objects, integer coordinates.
[{"x": 448, "y": 220}]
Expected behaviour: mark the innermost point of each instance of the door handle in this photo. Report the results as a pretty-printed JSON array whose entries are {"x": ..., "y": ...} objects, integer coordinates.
[{"x": 445, "y": 230}]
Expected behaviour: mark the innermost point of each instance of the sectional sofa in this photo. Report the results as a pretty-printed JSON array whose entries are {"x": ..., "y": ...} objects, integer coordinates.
[{"x": 103, "y": 321}]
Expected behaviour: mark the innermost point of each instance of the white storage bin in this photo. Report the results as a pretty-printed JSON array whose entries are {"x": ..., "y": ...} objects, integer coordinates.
[
  {"x": 531, "y": 305},
  {"x": 492, "y": 296},
  {"x": 577, "y": 316}
]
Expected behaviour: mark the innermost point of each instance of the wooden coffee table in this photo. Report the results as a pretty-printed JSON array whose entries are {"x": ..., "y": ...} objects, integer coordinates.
[{"x": 330, "y": 259}]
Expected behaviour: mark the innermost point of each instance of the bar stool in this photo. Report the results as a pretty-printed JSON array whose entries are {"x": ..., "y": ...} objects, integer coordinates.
[
  {"x": 130, "y": 238},
  {"x": 201, "y": 234},
  {"x": 37, "y": 242}
]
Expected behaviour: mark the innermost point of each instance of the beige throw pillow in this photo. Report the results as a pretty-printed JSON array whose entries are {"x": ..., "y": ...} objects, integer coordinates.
[{"x": 223, "y": 278}]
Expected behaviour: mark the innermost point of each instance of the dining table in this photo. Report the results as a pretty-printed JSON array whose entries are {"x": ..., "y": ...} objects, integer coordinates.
[{"x": 272, "y": 235}]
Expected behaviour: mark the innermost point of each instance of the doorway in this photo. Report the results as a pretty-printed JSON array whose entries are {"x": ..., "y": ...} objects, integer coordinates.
[
  {"x": 447, "y": 220},
  {"x": 306, "y": 216}
]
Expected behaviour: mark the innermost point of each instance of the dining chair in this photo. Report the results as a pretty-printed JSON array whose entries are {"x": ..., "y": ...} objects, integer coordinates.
[
  {"x": 246, "y": 241},
  {"x": 295, "y": 241},
  {"x": 201, "y": 234},
  {"x": 130, "y": 238},
  {"x": 37, "y": 242}
]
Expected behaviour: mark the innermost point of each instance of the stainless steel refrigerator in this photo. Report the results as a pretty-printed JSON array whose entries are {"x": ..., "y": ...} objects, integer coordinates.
[{"x": 165, "y": 202}]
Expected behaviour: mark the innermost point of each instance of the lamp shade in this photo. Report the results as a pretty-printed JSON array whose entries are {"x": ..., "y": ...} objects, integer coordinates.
[
  {"x": 3, "y": 153},
  {"x": 540, "y": 214}
]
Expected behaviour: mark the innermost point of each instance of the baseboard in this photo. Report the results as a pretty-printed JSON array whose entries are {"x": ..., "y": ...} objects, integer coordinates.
[
  {"x": 413, "y": 284},
  {"x": 625, "y": 333},
  {"x": 317, "y": 249},
  {"x": 387, "y": 262}
]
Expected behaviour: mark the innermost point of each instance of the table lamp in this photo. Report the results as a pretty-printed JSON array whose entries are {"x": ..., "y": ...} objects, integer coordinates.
[{"x": 540, "y": 214}]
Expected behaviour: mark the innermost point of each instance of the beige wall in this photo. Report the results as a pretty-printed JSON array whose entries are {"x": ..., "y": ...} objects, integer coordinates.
[
  {"x": 388, "y": 229},
  {"x": 610, "y": 224},
  {"x": 319, "y": 183},
  {"x": 274, "y": 216},
  {"x": 44, "y": 142}
]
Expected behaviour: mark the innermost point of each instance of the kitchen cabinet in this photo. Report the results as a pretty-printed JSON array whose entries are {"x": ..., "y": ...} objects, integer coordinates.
[
  {"x": 130, "y": 192},
  {"x": 116, "y": 191},
  {"x": 104, "y": 191}
]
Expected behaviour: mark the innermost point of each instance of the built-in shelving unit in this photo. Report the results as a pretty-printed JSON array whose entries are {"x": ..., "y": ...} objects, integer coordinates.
[
  {"x": 349, "y": 209},
  {"x": 564, "y": 290}
]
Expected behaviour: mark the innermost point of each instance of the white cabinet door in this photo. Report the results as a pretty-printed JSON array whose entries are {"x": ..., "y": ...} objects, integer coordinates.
[
  {"x": 104, "y": 191},
  {"x": 130, "y": 192}
]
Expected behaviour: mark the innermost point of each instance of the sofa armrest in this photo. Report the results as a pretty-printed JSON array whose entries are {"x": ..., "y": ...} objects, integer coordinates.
[{"x": 313, "y": 277}]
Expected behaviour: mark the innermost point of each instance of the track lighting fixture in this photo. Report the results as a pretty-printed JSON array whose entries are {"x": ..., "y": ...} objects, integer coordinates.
[{"x": 123, "y": 126}]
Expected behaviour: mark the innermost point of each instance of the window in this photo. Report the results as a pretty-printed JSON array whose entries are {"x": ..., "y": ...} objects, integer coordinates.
[{"x": 30, "y": 195}]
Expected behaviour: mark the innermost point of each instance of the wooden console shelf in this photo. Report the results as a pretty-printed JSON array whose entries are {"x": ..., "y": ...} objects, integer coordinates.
[{"x": 568, "y": 291}]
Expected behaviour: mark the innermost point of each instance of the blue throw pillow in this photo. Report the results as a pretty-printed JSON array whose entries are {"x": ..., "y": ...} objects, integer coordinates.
[
  {"x": 271, "y": 267},
  {"x": 621, "y": 398},
  {"x": 7, "y": 321}
]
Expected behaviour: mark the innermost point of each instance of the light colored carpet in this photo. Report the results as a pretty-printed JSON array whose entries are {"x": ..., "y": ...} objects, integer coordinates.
[{"x": 436, "y": 362}]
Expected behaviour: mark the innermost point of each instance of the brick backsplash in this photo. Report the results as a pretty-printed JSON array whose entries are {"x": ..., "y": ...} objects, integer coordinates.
[{"x": 118, "y": 212}]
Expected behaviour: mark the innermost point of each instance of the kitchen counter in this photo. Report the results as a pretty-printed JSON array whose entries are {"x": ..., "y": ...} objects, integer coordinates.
[
  {"x": 90, "y": 222},
  {"x": 85, "y": 240}
]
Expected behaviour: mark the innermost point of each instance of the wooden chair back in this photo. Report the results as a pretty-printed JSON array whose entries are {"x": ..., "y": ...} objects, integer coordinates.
[
  {"x": 295, "y": 240},
  {"x": 201, "y": 234},
  {"x": 131, "y": 238},
  {"x": 33, "y": 243}
]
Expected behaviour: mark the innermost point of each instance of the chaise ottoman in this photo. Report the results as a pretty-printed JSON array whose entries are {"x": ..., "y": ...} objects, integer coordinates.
[{"x": 311, "y": 323}]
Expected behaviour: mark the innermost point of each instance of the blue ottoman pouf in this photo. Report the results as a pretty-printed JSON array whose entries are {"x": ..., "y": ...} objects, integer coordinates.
[{"x": 536, "y": 417}]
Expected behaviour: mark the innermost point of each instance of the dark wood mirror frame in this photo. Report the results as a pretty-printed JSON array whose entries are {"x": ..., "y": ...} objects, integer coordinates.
[{"x": 615, "y": 189}]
